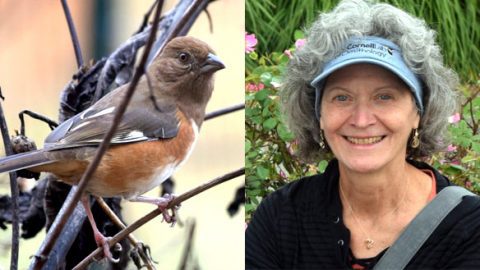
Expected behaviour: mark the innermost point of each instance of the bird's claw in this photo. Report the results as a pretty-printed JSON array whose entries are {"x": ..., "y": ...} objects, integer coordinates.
[
  {"x": 117, "y": 247},
  {"x": 170, "y": 218},
  {"x": 103, "y": 243},
  {"x": 167, "y": 217},
  {"x": 108, "y": 254}
]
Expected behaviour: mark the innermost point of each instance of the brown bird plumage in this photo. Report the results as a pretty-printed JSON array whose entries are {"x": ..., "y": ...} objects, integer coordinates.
[{"x": 152, "y": 140}]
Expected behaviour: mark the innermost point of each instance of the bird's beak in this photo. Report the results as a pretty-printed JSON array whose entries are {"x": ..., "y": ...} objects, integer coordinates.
[{"x": 212, "y": 64}]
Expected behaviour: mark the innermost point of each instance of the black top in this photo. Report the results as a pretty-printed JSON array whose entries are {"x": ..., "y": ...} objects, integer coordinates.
[{"x": 300, "y": 226}]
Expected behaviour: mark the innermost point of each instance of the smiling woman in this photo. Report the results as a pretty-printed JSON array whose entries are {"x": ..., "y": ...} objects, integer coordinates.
[
  {"x": 370, "y": 88},
  {"x": 367, "y": 116}
]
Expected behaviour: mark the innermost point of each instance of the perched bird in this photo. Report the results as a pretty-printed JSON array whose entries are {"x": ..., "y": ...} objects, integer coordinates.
[{"x": 155, "y": 136}]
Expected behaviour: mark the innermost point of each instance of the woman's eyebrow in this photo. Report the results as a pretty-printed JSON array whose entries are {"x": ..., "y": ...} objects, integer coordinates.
[{"x": 336, "y": 87}]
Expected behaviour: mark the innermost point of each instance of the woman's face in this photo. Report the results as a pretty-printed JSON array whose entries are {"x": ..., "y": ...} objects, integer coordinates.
[{"x": 367, "y": 116}]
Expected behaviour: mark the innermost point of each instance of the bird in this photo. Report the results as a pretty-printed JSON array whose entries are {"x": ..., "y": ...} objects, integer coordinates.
[{"x": 156, "y": 134}]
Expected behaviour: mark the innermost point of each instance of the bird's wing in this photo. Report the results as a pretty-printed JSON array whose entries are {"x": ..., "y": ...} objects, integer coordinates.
[{"x": 139, "y": 123}]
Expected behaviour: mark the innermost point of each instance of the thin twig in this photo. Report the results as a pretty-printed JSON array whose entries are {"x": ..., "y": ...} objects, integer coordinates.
[
  {"x": 137, "y": 224},
  {"x": 210, "y": 22},
  {"x": 73, "y": 33},
  {"x": 13, "y": 189},
  {"x": 184, "y": 23},
  {"x": 475, "y": 125},
  {"x": 52, "y": 124},
  {"x": 55, "y": 232},
  {"x": 188, "y": 246},
  {"x": 202, "y": 6},
  {"x": 146, "y": 16},
  {"x": 113, "y": 217},
  {"x": 152, "y": 94},
  {"x": 225, "y": 111},
  {"x": 471, "y": 98}
]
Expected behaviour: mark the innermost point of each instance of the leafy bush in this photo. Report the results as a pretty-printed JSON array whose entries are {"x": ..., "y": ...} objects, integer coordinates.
[{"x": 456, "y": 22}]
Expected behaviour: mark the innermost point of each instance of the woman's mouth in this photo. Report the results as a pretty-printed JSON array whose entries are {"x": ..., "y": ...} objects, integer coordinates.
[{"x": 365, "y": 141}]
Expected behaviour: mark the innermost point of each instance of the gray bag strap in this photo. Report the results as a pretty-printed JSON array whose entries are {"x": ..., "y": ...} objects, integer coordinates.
[{"x": 421, "y": 227}]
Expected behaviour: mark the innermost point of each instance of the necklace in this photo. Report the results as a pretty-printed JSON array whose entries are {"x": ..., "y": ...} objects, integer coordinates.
[{"x": 369, "y": 242}]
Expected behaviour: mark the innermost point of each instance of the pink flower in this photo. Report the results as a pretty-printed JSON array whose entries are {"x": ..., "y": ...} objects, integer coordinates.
[
  {"x": 292, "y": 147},
  {"x": 282, "y": 174},
  {"x": 451, "y": 148},
  {"x": 454, "y": 118},
  {"x": 468, "y": 184},
  {"x": 250, "y": 42},
  {"x": 251, "y": 87},
  {"x": 288, "y": 53},
  {"x": 299, "y": 43}
]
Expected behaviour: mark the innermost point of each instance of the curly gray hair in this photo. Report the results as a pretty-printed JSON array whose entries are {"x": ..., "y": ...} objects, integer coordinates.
[{"x": 325, "y": 40}]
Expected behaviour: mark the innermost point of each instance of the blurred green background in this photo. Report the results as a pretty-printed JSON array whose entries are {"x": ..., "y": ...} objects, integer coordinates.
[
  {"x": 456, "y": 22},
  {"x": 36, "y": 62}
]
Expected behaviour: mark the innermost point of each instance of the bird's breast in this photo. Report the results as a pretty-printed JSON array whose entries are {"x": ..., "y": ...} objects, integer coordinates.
[{"x": 133, "y": 169}]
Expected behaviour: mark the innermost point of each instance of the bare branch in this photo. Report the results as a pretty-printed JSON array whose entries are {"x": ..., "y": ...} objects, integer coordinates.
[
  {"x": 13, "y": 189},
  {"x": 180, "y": 25},
  {"x": 188, "y": 246},
  {"x": 137, "y": 224},
  {"x": 52, "y": 124},
  {"x": 73, "y": 33},
  {"x": 210, "y": 22},
  {"x": 122, "y": 226},
  {"x": 55, "y": 231},
  {"x": 146, "y": 17},
  {"x": 225, "y": 111}
]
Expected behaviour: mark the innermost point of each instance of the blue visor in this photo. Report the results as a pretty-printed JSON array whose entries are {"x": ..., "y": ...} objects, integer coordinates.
[{"x": 372, "y": 50}]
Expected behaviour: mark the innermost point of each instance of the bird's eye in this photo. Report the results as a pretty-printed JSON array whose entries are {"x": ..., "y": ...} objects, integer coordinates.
[{"x": 184, "y": 57}]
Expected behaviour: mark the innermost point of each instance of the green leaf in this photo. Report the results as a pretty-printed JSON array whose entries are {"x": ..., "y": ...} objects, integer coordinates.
[
  {"x": 255, "y": 184},
  {"x": 253, "y": 192},
  {"x": 454, "y": 169},
  {"x": 322, "y": 165},
  {"x": 248, "y": 145},
  {"x": 298, "y": 34},
  {"x": 270, "y": 123},
  {"x": 266, "y": 111},
  {"x": 257, "y": 120},
  {"x": 277, "y": 80},
  {"x": 261, "y": 95},
  {"x": 252, "y": 111},
  {"x": 263, "y": 173},
  {"x": 468, "y": 158},
  {"x": 284, "y": 133},
  {"x": 253, "y": 55},
  {"x": 248, "y": 164},
  {"x": 252, "y": 154},
  {"x": 476, "y": 147},
  {"x": 266, "y": 78}
]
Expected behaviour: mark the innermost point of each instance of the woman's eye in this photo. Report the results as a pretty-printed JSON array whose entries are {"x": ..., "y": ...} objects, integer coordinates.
[
  {"x": 384, "y": 97},
  {"x": 340, "y": 98}
]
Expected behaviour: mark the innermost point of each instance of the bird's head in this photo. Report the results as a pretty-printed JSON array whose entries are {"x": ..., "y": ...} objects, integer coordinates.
[
  {"x": 183, "y": 72},
  {"x": 186, "y": 64}
]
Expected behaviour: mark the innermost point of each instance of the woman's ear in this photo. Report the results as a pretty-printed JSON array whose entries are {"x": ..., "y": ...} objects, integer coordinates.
[{"x": 416, "y": 122}]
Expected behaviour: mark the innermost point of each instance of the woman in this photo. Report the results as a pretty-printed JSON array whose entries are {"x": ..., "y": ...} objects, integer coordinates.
[{"x": 369, "y": 87}]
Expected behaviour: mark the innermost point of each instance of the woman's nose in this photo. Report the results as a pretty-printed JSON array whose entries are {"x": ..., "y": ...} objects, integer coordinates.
[{"x": 362, "y": 115}]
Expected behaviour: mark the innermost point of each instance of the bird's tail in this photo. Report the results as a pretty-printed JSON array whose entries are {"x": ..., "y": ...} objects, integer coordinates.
[{"x": 23, "y": 160}]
